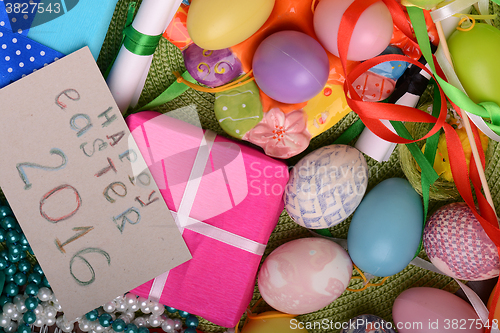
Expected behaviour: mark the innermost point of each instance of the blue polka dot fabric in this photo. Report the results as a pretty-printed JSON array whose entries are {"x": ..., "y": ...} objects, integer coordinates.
[
  {"x": 4, "y": 18},
  {"x": 18, "y": 15},
  {"x": 21, "y": 56}
]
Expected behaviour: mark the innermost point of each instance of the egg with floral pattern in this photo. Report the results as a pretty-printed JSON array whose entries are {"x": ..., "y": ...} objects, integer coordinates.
[
  {"x": 281, "y": 135},
  {"x": 304, "y": 275},
  {"x": 457, "y": 244}
]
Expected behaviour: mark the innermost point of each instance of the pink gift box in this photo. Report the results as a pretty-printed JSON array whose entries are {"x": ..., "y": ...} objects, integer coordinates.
[{"x": 226, "y": 211}]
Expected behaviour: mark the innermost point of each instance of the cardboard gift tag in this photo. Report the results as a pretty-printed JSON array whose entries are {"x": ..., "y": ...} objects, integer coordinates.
[{"x": 80, "y": 188}]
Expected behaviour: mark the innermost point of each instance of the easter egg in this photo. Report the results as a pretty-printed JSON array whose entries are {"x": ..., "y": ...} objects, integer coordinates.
[
  {"x": 290, "y": 67},
  {"x": 304, "y": 275},
  {"x": 281, "y": 135},
  {"x": 434, "y": 310},
  {"x": 386, "y": 229},
  {"x": 372, "y": 87},
  {"x": 326, "y": 186},
  {"x": 442, "y": 161},
  {"x": 326, "y": 109},
  {"x": 457, "y": 244},
  {"x": 212, "y": 68},
  {"x": 367, "y": 323},
  {"x": 273, "y": 322},
  {"x": 371, "y": 35},
  {"x": 379, "y": 82},
  {"x": 391, "y": 69},
  {"x": 219, "y": 24},
  {"x": 239, "y": 109},
  {"x": 475, "y": 57}
]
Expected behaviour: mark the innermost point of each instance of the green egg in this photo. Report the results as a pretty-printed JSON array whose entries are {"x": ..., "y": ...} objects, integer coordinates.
[
  {"x": 238, "y": 110},
  {"x": 475, "y": 55}
]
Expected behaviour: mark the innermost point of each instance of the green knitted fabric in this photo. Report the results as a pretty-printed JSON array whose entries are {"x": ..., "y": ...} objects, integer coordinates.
[{"x": 374, "y": 300}]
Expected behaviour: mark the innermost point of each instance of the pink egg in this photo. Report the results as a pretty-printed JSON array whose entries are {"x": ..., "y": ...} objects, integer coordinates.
[
  {"x": 457, "y": 244},
  {"x": 433, "y": 310},
  {"x": 304, "y": 275},
  {"x": 372, "y": 87},
  {"x": 372, "y": 33}
]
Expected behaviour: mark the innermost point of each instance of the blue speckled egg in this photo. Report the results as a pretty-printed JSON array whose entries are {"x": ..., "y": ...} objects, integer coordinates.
[
  {"x": 326, "y": 186},
  {"x": 391, "y": 69},
  {"x": 367, "y": 323},
  {"x": 386, "y": 229}
]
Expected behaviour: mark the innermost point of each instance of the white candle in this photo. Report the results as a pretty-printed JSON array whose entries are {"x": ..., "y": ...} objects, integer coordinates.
[
  {"x": 377, "y": 148},
  {"x": 127, "y": 76}
]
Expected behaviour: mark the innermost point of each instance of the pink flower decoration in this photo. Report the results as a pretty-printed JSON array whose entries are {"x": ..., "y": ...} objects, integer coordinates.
[{"x": 281, "y": 135}]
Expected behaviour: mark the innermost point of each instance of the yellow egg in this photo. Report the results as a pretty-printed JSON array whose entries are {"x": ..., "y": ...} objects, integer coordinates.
[
  {"x": 274, "y": 322},
  {"x": 219, "y": 24},
  {"x": 326, "y": 109},
  {"x": 442, "y": 162}
]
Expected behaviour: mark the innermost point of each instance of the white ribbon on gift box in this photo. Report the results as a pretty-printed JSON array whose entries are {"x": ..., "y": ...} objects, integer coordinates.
[{"x": 184, "y": 221}]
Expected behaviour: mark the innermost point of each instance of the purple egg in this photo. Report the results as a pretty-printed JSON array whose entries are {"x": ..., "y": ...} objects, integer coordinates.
[
  {"x": 212, "y": 68},
  {"x": 290, "y": 67}
]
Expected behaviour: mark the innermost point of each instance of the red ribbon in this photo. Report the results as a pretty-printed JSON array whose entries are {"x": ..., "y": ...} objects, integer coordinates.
[{"x": 371, "y": 113}]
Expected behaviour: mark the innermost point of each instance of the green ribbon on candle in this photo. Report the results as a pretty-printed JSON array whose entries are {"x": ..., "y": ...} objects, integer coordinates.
[
  {"x": 139, "y": 43},
  {"x": 134, "y": 41}
]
